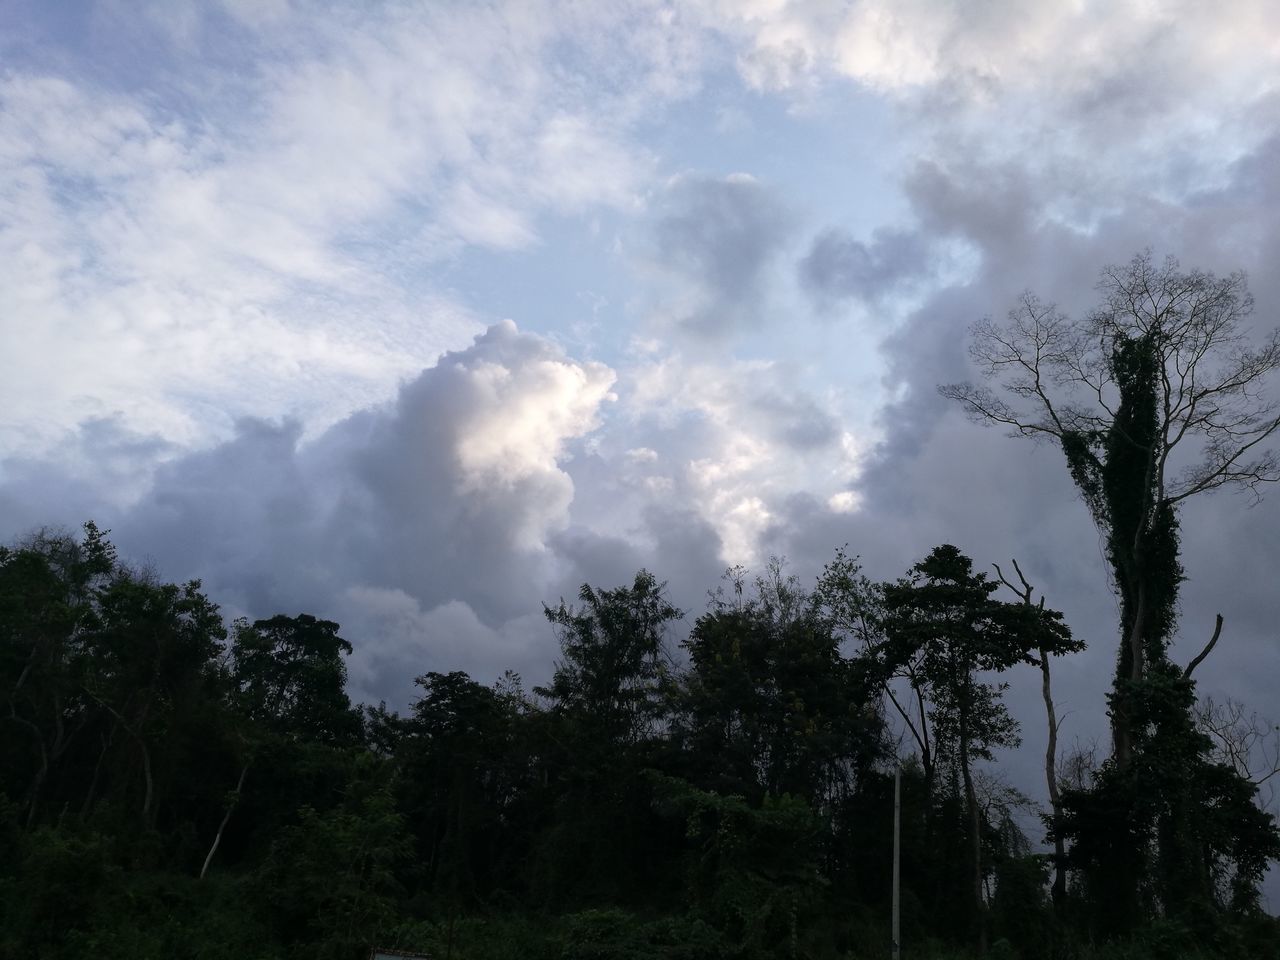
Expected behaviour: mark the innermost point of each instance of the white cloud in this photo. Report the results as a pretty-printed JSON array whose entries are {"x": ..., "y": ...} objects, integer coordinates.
[
  {"x": 846, "y": 501},
  {"x": 735, "y": 439},
  {"x": 886, "y": 46},
  {"x": 268, "y": 239},
  {"x": 1059, "y": 48},
  {"x": 515, "y": 403},
  {"x": 1149, "y": 95}
]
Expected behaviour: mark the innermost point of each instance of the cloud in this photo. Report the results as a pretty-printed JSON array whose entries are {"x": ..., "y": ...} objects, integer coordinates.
[
  {"x": 432, "y": 528},
  {"x": 398, "y": 641},
  {"x": 452, "y": 492},
  {"x": 1151, "y": 99},
  {"x": 840, "y": 267},
  {"x": 673, "y": 540},
  {"x": 935, "y": 477},
  {"x": 98, "y": 467},
  {"x": 734, "y": 438},
  {"x": 713, "y": 245},
  {"x": 469, "y": 462},
  {"x": 264, "y": 229},
  {"x": 1068, "y": 52}
]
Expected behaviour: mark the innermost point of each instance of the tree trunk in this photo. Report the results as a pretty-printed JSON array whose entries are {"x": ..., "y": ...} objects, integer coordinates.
[
  {"x": 37, "y": 782},
  {"x": 89, "y": 796},
  {"x": 1121, "y": 718},
  {"x": 1051, "y": 778},
  {"x": 217, "y": 839},
  {"x": 975, "y": 833},
  {"x": 926, "y": 755},
  {"x": 149, "y": 792}
]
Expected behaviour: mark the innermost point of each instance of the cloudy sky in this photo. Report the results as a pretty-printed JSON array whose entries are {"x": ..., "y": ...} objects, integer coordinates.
[{"x": 414, "y": 315}]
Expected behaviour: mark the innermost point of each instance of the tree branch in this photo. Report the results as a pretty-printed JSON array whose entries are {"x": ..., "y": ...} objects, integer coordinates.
[{"x": 1208, "y": 648}]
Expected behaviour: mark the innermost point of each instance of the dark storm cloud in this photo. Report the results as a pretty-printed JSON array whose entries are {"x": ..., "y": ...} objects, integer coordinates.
[
  {"x": 718, "y": 238},
  {"x": 432, "y": 529},
  {"x": 241, "y": 515},
  {"x": 840, "y": 267},
  {"x": 271, "y": 523}
]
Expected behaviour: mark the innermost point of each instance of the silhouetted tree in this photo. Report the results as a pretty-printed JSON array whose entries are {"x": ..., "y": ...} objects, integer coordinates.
[
  {"x": 945, "y": 617},
  {"x": 162, "y": 795},
  {"x": 1161, "y": 367},
  {"x": 1161, "y": 374}
]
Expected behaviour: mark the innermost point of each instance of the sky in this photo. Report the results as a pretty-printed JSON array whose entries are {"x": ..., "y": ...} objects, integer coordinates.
[{"x": 418, "y": 315}]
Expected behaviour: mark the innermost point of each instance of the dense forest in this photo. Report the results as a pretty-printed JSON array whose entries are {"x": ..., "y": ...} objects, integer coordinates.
[{"x": 709, "y": 785}]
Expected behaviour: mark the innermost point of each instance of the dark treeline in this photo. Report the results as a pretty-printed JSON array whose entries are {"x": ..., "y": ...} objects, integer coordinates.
[{"x": 686, "y": 785}]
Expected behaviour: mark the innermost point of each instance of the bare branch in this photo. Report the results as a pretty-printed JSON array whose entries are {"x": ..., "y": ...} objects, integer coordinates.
[
  {"x": 1242, "y": 740},
  {"x": 1056, "y": 373},
  {"x": 1208, "y": 648}
]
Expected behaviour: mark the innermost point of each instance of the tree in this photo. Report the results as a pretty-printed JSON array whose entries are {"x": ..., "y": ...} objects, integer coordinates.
[
  {"x": 770, "y": 707},
  {"x": 854, "y": 606},
  {"x": 613, "y": 657},
  {"x": 149, "y": 665},
  {"x": 1175, "y": 833},
  {"x": 944, "y": 617},
  {"x": 463, "y": 775},
  {"x": 609, "y": 706},
  {"x": 1026, "y": 593},
  {"x": 288, "y": 681},
  {"x": 48, "y": 588},
  {"x": 752, "y": 870},
  {"x": 1243, "y": 741},
  {"x": 330, "y": 878},
  {"x": 1154, "y": 397},
  {"x": 291, "y": 678}
]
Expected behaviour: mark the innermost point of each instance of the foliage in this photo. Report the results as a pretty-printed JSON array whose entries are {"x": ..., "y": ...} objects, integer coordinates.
[
  {"x": 330, "y": 879},
  {"x": 732, "y": 800},
  {"x": 753, "y": 871},
  {"x": 946, "y": 621},
  {"x": 613, "y": 663},
  {"x": 770, "y": 705}
]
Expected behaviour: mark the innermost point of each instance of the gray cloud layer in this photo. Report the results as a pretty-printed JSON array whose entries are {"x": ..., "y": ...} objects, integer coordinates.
[
  {"x": 716, "y": 239},
  {"x": 428, "y": 521},
  {"x": 839, "y": 266}
]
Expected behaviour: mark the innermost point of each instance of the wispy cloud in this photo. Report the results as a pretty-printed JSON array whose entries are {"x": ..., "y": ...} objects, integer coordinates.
[{"x": 280, "y": 241}]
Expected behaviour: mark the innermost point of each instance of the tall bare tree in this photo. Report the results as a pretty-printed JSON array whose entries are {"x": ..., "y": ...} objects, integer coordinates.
[
  {"x": 1154, "y": 397},
  {"x": 1026, "y": 593}
]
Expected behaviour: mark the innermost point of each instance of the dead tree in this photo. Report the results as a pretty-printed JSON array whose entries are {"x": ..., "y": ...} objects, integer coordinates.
[{"x": 1026, "y": 592}]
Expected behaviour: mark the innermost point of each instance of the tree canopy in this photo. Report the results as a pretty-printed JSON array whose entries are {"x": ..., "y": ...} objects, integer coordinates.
[{"x": 173, "y": 785}]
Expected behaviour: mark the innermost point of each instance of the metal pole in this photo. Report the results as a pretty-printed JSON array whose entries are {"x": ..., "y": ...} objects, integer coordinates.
[{"x": 897, "y": 871}]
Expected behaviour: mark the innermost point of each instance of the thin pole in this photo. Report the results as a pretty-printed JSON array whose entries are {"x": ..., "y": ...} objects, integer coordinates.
[{"x": 897, "y": 870}]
